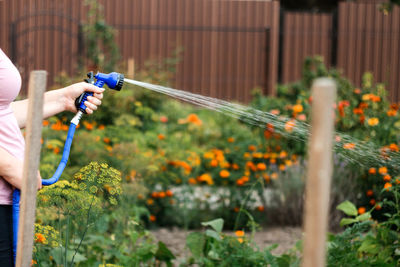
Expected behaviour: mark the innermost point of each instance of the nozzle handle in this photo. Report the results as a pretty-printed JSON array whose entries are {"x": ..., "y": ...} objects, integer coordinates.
[{"x": 80, "y": 101}]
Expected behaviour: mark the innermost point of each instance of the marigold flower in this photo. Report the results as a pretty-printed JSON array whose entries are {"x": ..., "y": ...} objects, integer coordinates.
[
  {"x": 39, "y": 238},
  {"x": 283, "y": 154},
  {"x": 163, "y": 119},
  {"x": 152, "y": 218},
  {"x": 240, "y": 182},
  {"x": 169, "y": 193},
  {"x": 231, "y": 140},
  {"x": 206, "y": 178},
  {"x": 289, "y": 125},
  {"x": 361, "y": 210},
  {"x": 370, "y": 193},
  {"x": 154, "y": 195},
  {"x": 257, "y": 155},
  {"x": 101, "y": 127},
  {"x": 236, "y": 209},
  {"x": 391, "y": 112},
  {"x": 378, "y": 207},
  {"x": 274, "y": 112},
  {"x": 274, "y": 176},
  {"x": 383, "y": 170},
  {"x": 239, "y": 233},
  {"x": 235, "y": 166},
  {"x": 261, "y": 166},
  {"x": 372, "y": 171},
  {"x": 297, "y": 108},
  {"x": 272, "y": 161},
  {"x": 214, "y": 163},
  {"x": 357, "y": 91},
  {"x": 302, "y": 117},
  {"x": 260, "y": 208},
  {"x": 161, "y": 137},
  {"x": 373, "y": 121},
  {"x": 33, "y": 262},
  {"x": 387, "y": 178},
  {"x": 192, "y": 181},
  {"x": 161, "y": 195},
  {"x": 192, "y": 118},
  {"x": 252, "y": 148},
  {"x": 387, "y": 186},
  {"x": 224, "y": 174},
  {"x": 372, "y": 202},
  {"x": 375, "y": 98},
  {"x": 349, "y": 146},
  {"x": 106, "y": 140},
  {"x": 56, "y": 150},
  {"x": 45, "y": 123},
  {"x": 358, "y": 111},
  {"x": 394, "y": 147},
  {"x": 245, "y": 179},
  {"x": 240, "y": 240},
  {"x": 150, "y": 201}
]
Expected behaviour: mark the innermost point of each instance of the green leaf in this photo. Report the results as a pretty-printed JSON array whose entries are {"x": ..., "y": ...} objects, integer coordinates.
[
  {"x": 363, "y": 217},
  {"x": 348, "y": 208},
  {"x": 163, "y": 253},
  {"x": 213, "y": 234},
  {"x": 195, "y": 242},
  {"x": 369, "y": 245},
  {"x": 346, "y": 221},
  {"x": 216, "y": 224}
]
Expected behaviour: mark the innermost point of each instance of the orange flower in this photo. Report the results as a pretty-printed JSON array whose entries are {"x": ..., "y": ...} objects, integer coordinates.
[
  {"x": 370, "y": 193},
  {"x": 274, "y": 176},
  {"x": 252, "y": 148},
  {"x": 391, "y": 112},
  {"x": 239, "y": 233},
  {"x": 150, "y": 201},
  {"x": 169, "y": 193},
  {"x": 88, "y": 125},
  {"x": 163, "y": 119},
  {"x": 39, "y": 238},
  {"x": 240, "y": 182},
  {"x": 236, "y": 209},
  {"x": 192, "y": 181},
  {"x": 235, "y": 166},
  {"x": 260, "y": 208},
  {"x": 282, "y": 167},
  {"x": 154, "y": 195},
  {"x": 56, "y": 150},
  {"x": 372, "y": 171},
  {"x": 358, "y": 111},
  {"x": 245, "y": 179},
  {"x": 383, "y": 170},
  {"x": 224, "y": 174},
  {"x": 373, "y": 121},
  {"x": 101, "y": 127},
  {"x": 387, "y": 186},
  {"x": 56, "y": 126},
  {"x": 46, "y": 123},
  {"x": 397, "y": 180},
  {"x": 387, "y": 178},
  {"x": 33, "y": 262},
  {"x": 375, "y": 98},
  {"x": 357, "y": 91},
  {"x": 231, "y": 140},
  {"x": 240, "y": 240},
  {"x": 161, "y": 137},
  {"x": 206, "y": 178},
  {"x": 214, "y": 163},
  {"x": 161, "y": 195},
  {"x": 297, "y": 108},
  {"x": 289, "y": 125},
  {"x": 361, "y": 210},
  {"x": 378, "y": 207},
  {"x": 349, "y": 146},
  {"x": 261, "y": 166},
  {"x": 372, "y": 202},
  {"x": 106, "y": 140},
  {"x": 192, "y": 118},
  {"x": 152, "y": 218},
  {"x": 394, "y": 147}
]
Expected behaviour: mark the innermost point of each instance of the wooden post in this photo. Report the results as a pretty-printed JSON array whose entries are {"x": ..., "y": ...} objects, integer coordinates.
[
  {"x": 37, "y": 86},
  {"x": 131, "y": 68},
  {"x": 319, "y": 172}
]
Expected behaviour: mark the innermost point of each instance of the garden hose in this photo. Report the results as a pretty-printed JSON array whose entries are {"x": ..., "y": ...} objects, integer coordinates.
[{"x": 114, "y": 81}]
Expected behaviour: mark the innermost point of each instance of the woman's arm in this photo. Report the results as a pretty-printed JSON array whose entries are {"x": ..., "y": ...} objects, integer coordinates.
[
  {"x": 60, "y": 100},
  {"x": 11, "y": 169}
]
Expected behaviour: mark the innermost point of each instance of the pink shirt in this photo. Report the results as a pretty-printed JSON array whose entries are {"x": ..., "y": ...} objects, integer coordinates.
[{"x": 11, "y": 138}]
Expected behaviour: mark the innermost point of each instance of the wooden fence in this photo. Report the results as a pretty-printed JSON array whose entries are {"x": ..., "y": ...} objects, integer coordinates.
[{"x": 229, "y": 47}]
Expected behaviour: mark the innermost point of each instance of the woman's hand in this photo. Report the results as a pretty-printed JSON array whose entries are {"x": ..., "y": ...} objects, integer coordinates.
[{"x": 75, "y": 90}]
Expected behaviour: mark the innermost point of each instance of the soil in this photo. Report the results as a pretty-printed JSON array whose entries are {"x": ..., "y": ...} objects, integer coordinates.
[{"x": 285, "y": 237}]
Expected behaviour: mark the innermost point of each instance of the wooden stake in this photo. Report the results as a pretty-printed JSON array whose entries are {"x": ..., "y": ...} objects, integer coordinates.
[
  {"x": 37, "y": 87},
  {"x": 319, "y": 172},
  {"x": 131, "y": 68}
]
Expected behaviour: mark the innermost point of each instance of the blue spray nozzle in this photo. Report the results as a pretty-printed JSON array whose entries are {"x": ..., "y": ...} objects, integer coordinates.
[{"x": 113, "y": 80}]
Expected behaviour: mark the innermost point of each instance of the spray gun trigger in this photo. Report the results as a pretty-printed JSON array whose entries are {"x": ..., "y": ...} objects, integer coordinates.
[{"x": 90, "y": 78}]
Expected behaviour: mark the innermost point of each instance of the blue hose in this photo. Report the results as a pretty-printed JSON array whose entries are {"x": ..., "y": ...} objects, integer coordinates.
[{"x": 52, "y": 180}]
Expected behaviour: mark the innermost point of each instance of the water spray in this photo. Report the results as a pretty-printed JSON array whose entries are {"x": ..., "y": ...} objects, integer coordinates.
[{"x": 114, "y": 81}]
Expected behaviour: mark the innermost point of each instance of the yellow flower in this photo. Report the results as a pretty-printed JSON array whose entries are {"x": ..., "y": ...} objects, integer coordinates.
[
  {"x": 297, "y": 108},
  {"x": 373, "y": 121}
]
